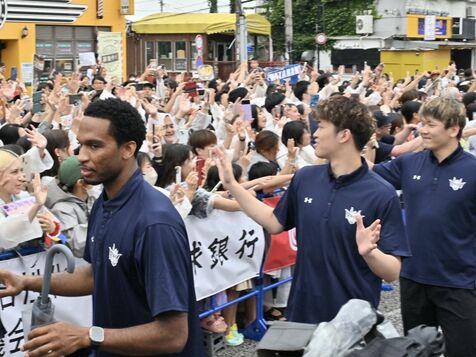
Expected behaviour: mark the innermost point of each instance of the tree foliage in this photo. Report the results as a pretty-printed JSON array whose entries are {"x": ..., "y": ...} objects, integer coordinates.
[
  {"x": 213, "y": 4},
  {"x": 334, "y": 17}
]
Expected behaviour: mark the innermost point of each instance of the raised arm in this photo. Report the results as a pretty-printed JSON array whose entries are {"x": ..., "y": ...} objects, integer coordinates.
[{"x": 254, "y": 208}]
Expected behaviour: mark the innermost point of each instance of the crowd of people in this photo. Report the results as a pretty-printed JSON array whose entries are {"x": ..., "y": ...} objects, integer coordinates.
[{"x": 112, "y": 169}]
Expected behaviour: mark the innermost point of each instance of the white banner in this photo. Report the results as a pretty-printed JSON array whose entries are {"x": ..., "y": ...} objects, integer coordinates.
[
  {"x": 76, "y": 310},
  {"x": 430, "y": 28},
  {"x": 226, "y": 249},
  {"x": 110, "y": 53}
]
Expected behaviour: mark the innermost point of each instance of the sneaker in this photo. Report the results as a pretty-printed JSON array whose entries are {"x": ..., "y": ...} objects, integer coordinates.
[
  {"x": 234, "y": 331},
  {"x": 232, "y": 340}
]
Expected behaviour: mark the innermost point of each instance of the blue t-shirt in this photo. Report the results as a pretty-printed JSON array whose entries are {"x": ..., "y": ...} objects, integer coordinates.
[
  {"x": 440, "y": 207},
  {"x": 138, "y": 247},
  {"x": 329, "y": 269}
]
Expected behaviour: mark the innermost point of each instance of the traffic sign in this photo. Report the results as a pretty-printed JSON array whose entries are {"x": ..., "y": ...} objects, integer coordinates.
[{"x": 321, "y": 38}]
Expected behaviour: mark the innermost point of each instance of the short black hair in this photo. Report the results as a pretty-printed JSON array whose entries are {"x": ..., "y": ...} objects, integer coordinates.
[
  {"x": 240, "y": 92},
  {"x": 293, "y": 130},
  {"x": 273, "y": 99},
  {"x": 99, "y": 78},
  {"x": 262, "y": 169},
  {"x": 300, "y": 89},
  {"x": 126, "y": 122},
  {"x": 44, "y": 85},
  {"x": 409, "y": 108}
]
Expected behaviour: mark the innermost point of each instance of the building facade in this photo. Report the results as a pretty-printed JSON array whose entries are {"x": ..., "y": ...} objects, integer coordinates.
[
  {"x": 413, "y": 35},
  {"x": 57, "y": 30}
]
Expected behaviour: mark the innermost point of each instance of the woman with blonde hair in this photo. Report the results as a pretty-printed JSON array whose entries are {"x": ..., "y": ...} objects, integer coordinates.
[{"x": 17, "y": 225}]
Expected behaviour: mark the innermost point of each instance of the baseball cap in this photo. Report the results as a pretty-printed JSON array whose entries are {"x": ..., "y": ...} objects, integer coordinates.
[
  {"x": 383, "y": 119},
  {"x": 69, "y": 172}
]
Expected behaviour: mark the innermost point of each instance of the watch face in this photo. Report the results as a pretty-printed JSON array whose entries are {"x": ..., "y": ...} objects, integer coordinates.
[{"x": 96, "y": 334}]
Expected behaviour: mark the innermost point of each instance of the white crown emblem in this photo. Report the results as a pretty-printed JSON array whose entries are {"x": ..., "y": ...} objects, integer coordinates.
[
  {"x": 114, "y": 255},
  {"x": 456, "y": 184}
]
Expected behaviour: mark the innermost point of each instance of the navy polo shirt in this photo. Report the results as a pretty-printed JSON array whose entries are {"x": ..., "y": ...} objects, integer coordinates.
[
  {"x": 138, "y": 247},
  {"x": 329, "y": 269},
  {"x": 440, "y": 207}
]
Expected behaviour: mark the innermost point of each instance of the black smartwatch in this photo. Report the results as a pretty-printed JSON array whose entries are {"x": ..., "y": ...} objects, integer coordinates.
[{"x": 96, "y": 335}]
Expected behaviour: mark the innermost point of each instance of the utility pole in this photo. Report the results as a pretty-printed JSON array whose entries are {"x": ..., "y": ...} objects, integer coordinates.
[
  {"x": 288, "y": 29},
  {"x": 161, "y": 3},
  {"x": 241, "y": 34}
]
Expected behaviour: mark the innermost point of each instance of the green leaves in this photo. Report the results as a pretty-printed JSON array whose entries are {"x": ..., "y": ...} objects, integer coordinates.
[{"x": 334, "y": 17}]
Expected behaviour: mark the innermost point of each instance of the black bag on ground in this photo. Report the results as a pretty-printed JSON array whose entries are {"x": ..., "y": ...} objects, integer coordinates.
[{"x": 421, "y": 341}]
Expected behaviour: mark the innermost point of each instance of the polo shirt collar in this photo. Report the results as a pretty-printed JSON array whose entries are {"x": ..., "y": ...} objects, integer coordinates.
[
  {"x": 450, "y": 158},
  {"x": 344, "y": 180},
  {"x": 124, "y": 194}
]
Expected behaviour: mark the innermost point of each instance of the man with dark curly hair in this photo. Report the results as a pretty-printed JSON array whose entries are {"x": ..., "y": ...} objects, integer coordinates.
[
  {"x": 330, "y": 206},
  {"x": 140, "y": 271}
]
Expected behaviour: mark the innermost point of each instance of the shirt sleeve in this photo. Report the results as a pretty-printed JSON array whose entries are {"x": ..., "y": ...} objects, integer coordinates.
[
  {"x": 163, "y": 257},
  {"x": 393, "y": 237},
  {"x": 286, "y": 209},
  {"x": 391, "y": 171},
  {"x": 383, "y": 152}
]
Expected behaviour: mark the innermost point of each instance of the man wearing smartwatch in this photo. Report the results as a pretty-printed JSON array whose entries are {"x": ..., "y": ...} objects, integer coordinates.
[{"x": 140, "y": 273}]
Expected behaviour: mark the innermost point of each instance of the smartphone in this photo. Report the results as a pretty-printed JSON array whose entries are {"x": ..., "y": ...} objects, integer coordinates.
[
  {"x": 201, "y": 92},
  {"x": 66, "y": 121},
  {"x": 28, "y": 103},
  {"x": 178, "y": 174},
  {"x": 13, "y": 73},
  {"x": 278, "y": 111},
  {"x": 37, "y": 97},
  {"x": 246, "y": 105},
  {"x": 314, "y": 100},
  {"x": 199, "y": 168},
  {"x": 36, "y": 108},
  {"x": 139, "y": 86},
  {"x": 154, "y": 140},
  {"x": 251, "y": 147},
  {"x": 26, "y": 163},
  {"x": 74, "y": 99}
]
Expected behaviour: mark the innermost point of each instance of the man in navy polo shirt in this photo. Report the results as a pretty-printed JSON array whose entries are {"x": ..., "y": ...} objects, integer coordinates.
[
  {"x": 140, "y": 271},
  {"x": 338, "y": 258},
  {"x": 439, "y": 190}
]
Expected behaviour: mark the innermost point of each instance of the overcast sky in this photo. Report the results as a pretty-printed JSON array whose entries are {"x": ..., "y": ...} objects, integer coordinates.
[{"x": 148, "y": 7}]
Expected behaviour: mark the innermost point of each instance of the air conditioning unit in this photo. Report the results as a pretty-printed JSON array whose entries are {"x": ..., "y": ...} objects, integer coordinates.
[
  {"x": 364, "y": 24},
  {"x": 471, "y": 11}
]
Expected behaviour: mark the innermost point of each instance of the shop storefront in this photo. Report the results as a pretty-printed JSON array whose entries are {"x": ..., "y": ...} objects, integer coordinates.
[
  {"x": 169, "y": 38},
  {"x": 58, "y": 32}
]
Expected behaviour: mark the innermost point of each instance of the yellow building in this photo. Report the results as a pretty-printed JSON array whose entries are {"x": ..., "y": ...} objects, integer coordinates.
[
  {"x": 58, "y": 31},
  {"x": 400, "y": 62}
]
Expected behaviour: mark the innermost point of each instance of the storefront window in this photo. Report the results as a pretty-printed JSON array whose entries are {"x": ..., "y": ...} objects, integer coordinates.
[
  {"x": 193, "y": 58},
  {"x": 64, "y": 48},
  {"x": 149, "y": 51},
  {"x": 180, "y": 56},
  {"x": 45, "y": 48},
  {"x": 84, "y": 46},
  {"x": 165, "y": 53}
]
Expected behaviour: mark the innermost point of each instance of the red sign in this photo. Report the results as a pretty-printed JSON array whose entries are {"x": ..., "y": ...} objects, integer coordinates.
[{"x": 283, "y": 247}]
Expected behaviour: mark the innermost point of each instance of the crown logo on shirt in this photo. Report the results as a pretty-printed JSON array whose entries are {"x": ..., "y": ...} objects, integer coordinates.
[
  {"x": 350, "y": 215},
  {"x": 456, "y": 184},
  {"x": 114, "y": 255}
]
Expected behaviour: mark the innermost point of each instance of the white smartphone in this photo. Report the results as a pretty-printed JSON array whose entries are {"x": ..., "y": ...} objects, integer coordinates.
[{"x": 178, "y": 174}]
